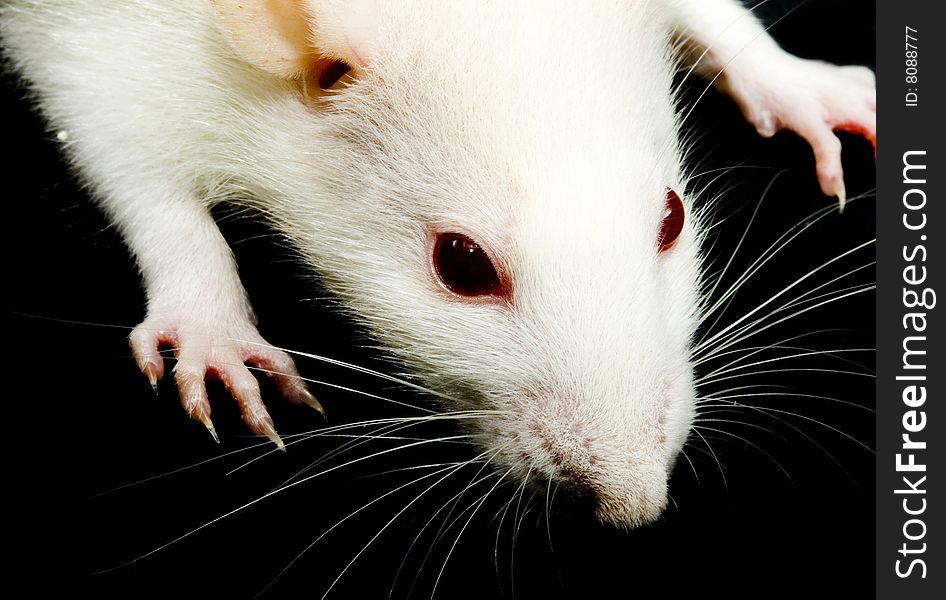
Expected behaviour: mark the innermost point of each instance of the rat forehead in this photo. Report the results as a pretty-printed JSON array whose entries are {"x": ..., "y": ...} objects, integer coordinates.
[
  {"x": 516, "y": 142},
  {"x": 487, "y": 178},
  {"x": 483, "y": 119},
  {"x": 500, "y": 43},
  {"x": 507, "y": 26},
  {"x": 539, "y": 78}
]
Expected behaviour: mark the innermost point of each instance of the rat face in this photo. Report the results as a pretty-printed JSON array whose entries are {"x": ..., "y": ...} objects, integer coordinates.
[
  {"x": 597, "y": 393},
  {"x": 512, "y": 229}
]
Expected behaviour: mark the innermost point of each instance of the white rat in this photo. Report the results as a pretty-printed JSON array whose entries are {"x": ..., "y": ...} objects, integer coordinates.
[{"x": 495, "y": 189}]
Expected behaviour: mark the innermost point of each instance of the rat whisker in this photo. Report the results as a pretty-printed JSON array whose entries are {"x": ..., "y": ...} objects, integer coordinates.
[
  {"x": 517, "y": 522},
  {"x": 750, "y": 443},
  {"x": 732, "y": 255},
  {"x": 359, "y": 369},
  {"x": 750, "y": 351},
  {"x": 179, "y": 470},
  {"x": 449, "y": 470},
  {"x": 452, "y": 502},
  {"x": 780, "y": 243},
  {"x": 724, "y": 171},
  {"x": 389, "y": 426},
  {"x": 784, "y": 370},
  {"x": 713, "y": 453},
  {"x": 711, "y": 340},
  {"x": 482, "y": 500},
  {"x": 806, "y": 296},
  {"x": 776, "y": 395},
  {"x": 386, "y": 525},
  {"x": 703, "y": 415},
  {"x": 739, "y": 371},
  {"x": 676, "y": 507},
  {"x": 343, "y": 388},
  {"x": 754, "y": 332},
  {"x": 787, "y": 237},
  {"x": 256, "y": 501},
  {"x": 354, "y": 443},
  {"x": 764, "y": 386},
  {"x": 690, "y": 462},
  {"x": 769, "y": 412},
  {"x": 419, "y": 467},
  {"x": 381, "y": 437},
  {"x": 548, "y": 510},
  {"x": 291, "y": 438},
  {"x": 501, "y": 515},
  {"x": 769, "y": 409},
  {"x": 799, "y": 300}
]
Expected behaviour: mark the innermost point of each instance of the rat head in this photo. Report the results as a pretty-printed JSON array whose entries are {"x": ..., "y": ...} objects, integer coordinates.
[{"x": 495, "y": 190}]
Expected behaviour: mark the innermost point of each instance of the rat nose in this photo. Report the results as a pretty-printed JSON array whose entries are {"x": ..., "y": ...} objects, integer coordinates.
[
  {"x": 632, "y": 502},
  {"x": 631, "y": 498},
  {"x": 626, "y": 482}
]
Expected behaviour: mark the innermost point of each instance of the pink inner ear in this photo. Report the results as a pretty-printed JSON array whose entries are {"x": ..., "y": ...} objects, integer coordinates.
[
  {"x": 345, "y": 30},
  {"x": 271, "y": 34}
]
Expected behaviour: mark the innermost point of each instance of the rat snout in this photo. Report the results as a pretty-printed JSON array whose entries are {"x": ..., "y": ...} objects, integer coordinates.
[
  {"x": 568, "y": 451},
  {"x": 623, "y": 469},
  {"x": 635, "y": 501}
]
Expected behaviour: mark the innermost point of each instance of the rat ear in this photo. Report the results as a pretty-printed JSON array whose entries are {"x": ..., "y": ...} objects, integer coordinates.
[
  {"x": 290, "y": 38},
  {"x": 345, "y": 30}
]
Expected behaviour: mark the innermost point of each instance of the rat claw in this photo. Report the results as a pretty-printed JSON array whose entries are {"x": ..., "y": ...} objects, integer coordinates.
[
  {"x": 210, "y": 427},
  {"x": 246, "y": 392},
  {"x": 151, "y": 372},
  {"x": 280, "y": 368},
  {"x": 261, "y": 423},
  {"x": 201, "y": 351},
  {"x": 270, "y": 432},
  {"x": 837, "y": 190},
  {"x": 198, "y": 410},
  {"x": 307, "y": 397}
]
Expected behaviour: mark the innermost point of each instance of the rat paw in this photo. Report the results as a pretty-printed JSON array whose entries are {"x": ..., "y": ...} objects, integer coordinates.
[
  {"x": 814, "y": 99},
  {"x": 203, "y": 352}
]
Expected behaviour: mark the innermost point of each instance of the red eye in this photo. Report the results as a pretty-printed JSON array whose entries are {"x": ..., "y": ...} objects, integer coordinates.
[
  {"x": 672, "y": 223},
  {"x": 464, "y": 268}
]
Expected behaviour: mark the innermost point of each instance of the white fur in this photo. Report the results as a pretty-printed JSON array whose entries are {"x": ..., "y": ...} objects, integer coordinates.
[{"x": 543, "y": 130}]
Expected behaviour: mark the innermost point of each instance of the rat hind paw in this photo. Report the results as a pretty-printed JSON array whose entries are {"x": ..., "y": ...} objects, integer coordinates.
[
  {"x": 814, "y": 99},
  {"x": 203, "y": 352}
]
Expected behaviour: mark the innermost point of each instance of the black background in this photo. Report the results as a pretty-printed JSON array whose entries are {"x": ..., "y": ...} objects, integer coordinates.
[{"x": 789, "y": 511}]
